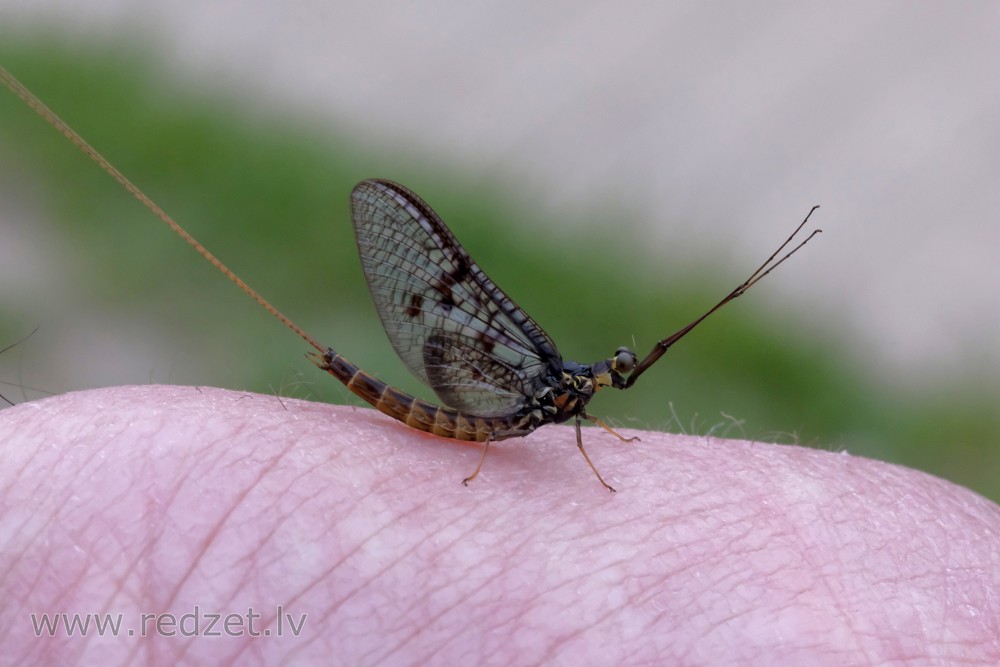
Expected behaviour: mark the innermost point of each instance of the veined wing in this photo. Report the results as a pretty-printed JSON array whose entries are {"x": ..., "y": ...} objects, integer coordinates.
[{"x": 449, "y": 323}]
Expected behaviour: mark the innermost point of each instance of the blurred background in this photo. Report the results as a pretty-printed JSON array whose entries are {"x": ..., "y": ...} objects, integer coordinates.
[{"x": 615, "y": 171}]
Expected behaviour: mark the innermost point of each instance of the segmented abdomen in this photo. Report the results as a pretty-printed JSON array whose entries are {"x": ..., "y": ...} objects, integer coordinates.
[{"x": 415, "y": 413}]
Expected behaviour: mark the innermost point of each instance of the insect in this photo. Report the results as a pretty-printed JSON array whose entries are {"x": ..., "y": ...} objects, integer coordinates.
[{"x": 494, "y": 369}]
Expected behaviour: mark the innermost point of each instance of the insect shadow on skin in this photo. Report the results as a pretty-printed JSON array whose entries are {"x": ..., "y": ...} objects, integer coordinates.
[{"x": 496, "y": 371}]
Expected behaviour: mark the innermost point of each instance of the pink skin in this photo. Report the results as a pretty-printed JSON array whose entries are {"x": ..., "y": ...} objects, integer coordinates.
[{"x": 154, "y": 499}]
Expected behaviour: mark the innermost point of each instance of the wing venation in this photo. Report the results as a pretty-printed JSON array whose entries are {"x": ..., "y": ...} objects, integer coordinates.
[{"x": 448, "y": 322}]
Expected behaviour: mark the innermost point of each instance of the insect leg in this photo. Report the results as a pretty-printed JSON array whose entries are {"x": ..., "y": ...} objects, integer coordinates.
[
  {"x": 610, "y": 430},
  {"x": 579, "y": 444},
  {"x": 486, "y": 448}
]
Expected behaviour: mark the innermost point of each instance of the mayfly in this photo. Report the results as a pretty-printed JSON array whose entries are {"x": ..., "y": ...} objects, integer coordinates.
[{"x": 496, "y": 371}]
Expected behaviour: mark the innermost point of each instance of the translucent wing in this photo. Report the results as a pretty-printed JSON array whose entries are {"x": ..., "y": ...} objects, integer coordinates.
[{"x": 449, "y": 323}]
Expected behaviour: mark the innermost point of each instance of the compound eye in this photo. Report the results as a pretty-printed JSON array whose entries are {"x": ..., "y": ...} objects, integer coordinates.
[{"x": 624, "y": 361}]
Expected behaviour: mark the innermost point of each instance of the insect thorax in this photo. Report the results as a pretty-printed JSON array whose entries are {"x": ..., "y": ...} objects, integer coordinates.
[{"x": 566, "y": 395}]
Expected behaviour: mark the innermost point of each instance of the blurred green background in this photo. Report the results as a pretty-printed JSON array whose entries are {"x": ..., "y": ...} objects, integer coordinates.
[{"x": 118, "y": 298}]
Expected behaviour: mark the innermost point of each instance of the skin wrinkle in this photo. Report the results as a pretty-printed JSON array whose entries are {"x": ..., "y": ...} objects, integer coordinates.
[
  {"x": 920, "y": 566},
  {"x": 739, "y": 546},
  {"x": 68, "y": 592},
  {"x": 27, "y": 462},
  {"x": 584, "y": 578},
  {"x": 840, "y": 607},
  {"x": 78, "y": 545},
  {"x": 342, "y": 600},
  {"x": 428, "y": 594},
  {"x": 562, "y": 636},
  {"x": 938, "y": 540},
  {"x": 271, "y": 537},
  {"x": 290, "y": 601},
  {"x": 819, "y": 523},
  {"x": 639, "y": 597},
  {"x": 223, "y": 523},
  {"x": 32, "y": 586},
  {"x": 702, "y": 555},
  {"x": 725, "y": 580},
  {"x": 252, "y": 561},
  {"x": 20, "y": 555},
  {"x": 567, "y": 638},
  {"x": 837, "y": 525},
  {"x": 210, "y": 536},
  {"x": 240, "y": 656},
  {"x": 254, "y": 564},
  {"x": 825, "y": 580},
  {"x": 174, "y": 651},
  {"x": 514, "y": 619},
  {"x": 528, "y": 594},
  {"x": 529, "y": 602},
  {"x": 443, "y": 641},
  {"x": 118, "y": 585},
  {"x": 986, "y": 620},
  {"x": 153, "y": 540},
  {"x": 400, "y": 634},
  {"x": 504, "y": 621}
]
